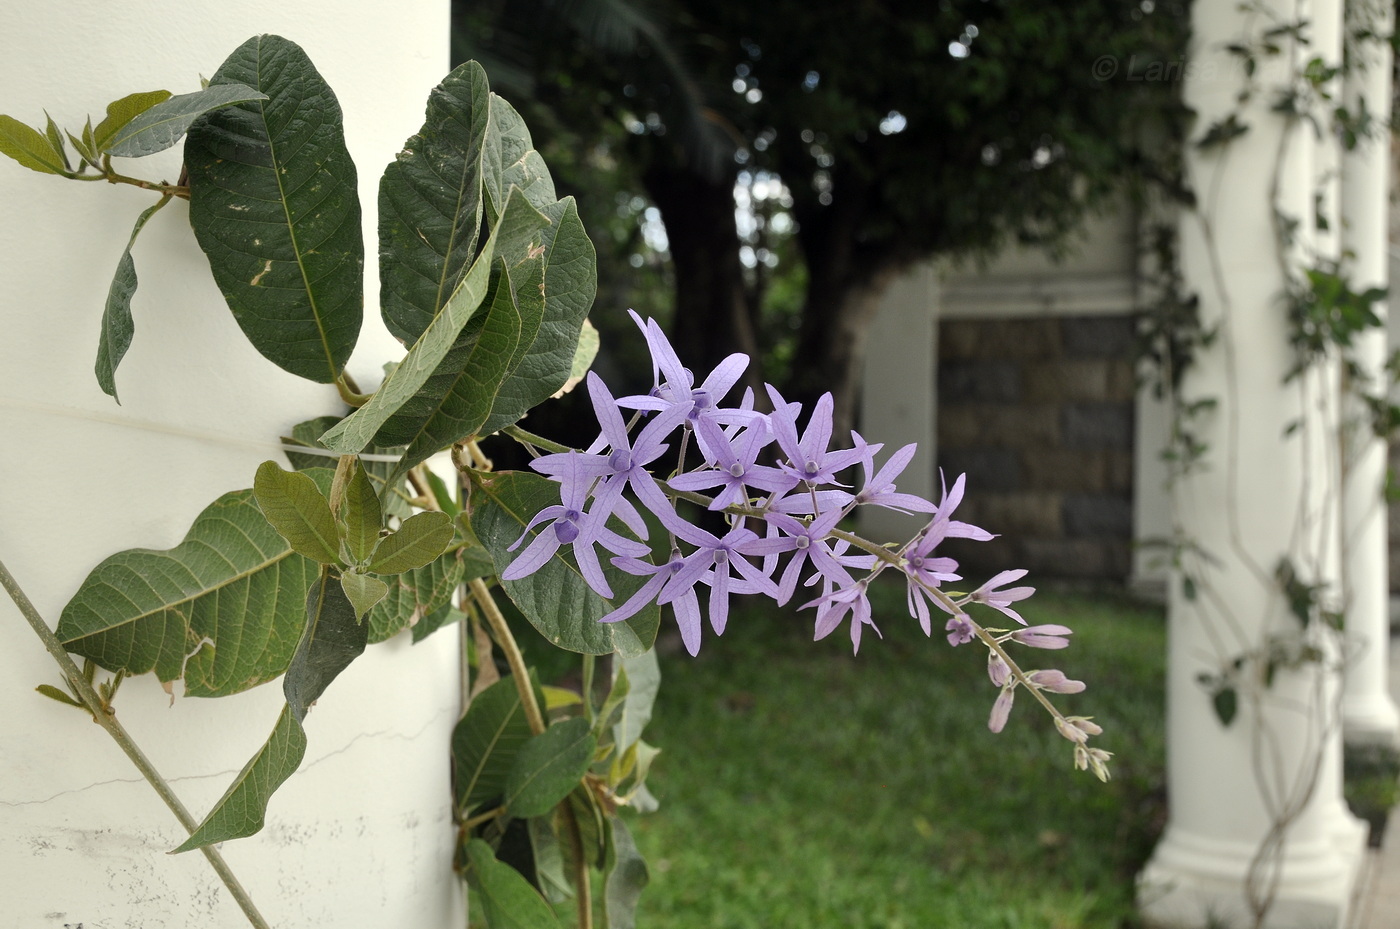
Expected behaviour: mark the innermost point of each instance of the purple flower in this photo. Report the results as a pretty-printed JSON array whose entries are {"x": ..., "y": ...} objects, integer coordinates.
[
  {"x": 997, "y": 669},
  {"x": 960, "y": 630},
  {"x": 571, "y": 526},
  {"x": 1001, "y": 710},
  {"x": 879, "y": 485},
  {"x": 923, "y": 571},
  {"x": 806, "y": 542},
  {"x": 833, "y": 606},
  {"x": 626, "y": 465},
  {"x": 712, "y": 563},
  {"x": 1046, "y": 636},
  {"x": 1001, "y": 600},
  {"x": 735, "y": 469},
  {"x": 684, "y": 603},
  {"x": 1055, "y": 681},
  {"x": 808, "y": 458},
  {"x": 677, "y": 388},
  {"x": 956, "y": 529}
]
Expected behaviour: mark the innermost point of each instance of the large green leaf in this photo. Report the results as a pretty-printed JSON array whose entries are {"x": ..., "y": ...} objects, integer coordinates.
[
  {"x": 161, "y": 126},
  {"x": 484, "y": 744},
  {"x": 363, "y": 515},
  {"x": 430, "y": 205},
  {"x": 243, "y": 808},
  {"x": 382, "y": 466},
  {"x": 556, "y": 599},
  {"x": 548, "y": 767},
  {"x": 117, "y": 325},
  {"x": 552, "y": 313},
  {"x": 507, "y": 899},
  {"x": 332, "y": 639},
  {"x": 625, "y": 880},
  {"x": 29, "y": 147},
  {"x": 292, "y": 502},
  {"x": 233, "y": 585},
  {"x": 519, "y": 230},
  {"x": 120, "y": 112},
  {"x": 454, "y": 402},
  {"x": 273, "y": 203}
]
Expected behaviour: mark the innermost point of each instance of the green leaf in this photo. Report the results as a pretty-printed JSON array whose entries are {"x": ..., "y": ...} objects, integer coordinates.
[
  {"x": 117, "y": 325},
  {"x": 56, "y": 140},
  {"x": 120, "y": 112},
  {"x": 593, "y": 826},
  {"x": 233, "y": 584},
  {"x": 484, "y": 745},
  {"x": 421, "y": 538},
  {"x": 161, "y": 126},
  {"x": 520, "y": 225},
  {"x": 430, "y": 205},
  {"x": 53, "y": 693},
  {"x": 507, "y": 899},
  {"x": 444, "y": 616},
  {"x": 549, "y": 860},
  {"x": 363, "y": 515},
  {"x": 643, "y": 676},
  {"x": 333, "y": 638},
  {"x": 556, "y": 599},
  {"x": 1226, "y": 703},
  {"x": 243, "y": 808},
  {"x": 456, "y": 399},
  {"x": 293, "y": 504},
  {"x": 446, "y": 500},
  {"x": 415, "y": 595},
  {"x": 511, "y": 159},
  {"x": 274, "y": 205},
  {"x": 29, "y": 147},
  {"x": 548, "y": 767},
  {"x": 626, "y": 879},
  {"x": 588, "y": 343},
  {"x": 552, "y": 315},
  {"x": 363, "y": 591}
]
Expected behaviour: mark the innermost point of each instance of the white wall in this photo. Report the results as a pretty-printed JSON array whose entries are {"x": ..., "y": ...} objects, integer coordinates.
[{"x": 361, "y": 836}]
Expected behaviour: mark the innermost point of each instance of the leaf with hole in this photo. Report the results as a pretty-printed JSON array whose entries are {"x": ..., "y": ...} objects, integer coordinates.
[
  {"x": 224, "y": 609},
  {"x": 275, "y": 207}
]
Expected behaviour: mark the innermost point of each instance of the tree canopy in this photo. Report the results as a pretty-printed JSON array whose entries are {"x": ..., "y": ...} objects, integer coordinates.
[{"x": 886, "y": 131}]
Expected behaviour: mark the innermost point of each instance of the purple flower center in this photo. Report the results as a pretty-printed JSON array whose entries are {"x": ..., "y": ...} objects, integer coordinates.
[
  {"x": 802, "y": 542},
  {"x": 566, "y": 527},
  {"x": 620, "y": 460},
  {"x": 810, "y": 469},
  {"x": 736, "y": 470}
]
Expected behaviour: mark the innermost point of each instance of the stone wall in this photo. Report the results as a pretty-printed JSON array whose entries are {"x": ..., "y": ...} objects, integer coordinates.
[{"x": 1039, "y": 413}]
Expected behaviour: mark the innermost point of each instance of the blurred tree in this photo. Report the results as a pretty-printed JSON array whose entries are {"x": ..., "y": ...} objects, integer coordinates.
[{"x": 863, "y": 136}]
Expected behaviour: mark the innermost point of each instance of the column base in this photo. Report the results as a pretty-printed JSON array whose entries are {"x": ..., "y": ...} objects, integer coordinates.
[
  {"x": 1198, "y": 882},
  {"x": 1372, "y": 720}
]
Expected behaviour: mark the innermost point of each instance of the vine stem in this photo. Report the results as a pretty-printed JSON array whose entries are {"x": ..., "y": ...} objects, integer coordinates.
[
  {"x": 102, "y": 716},
  {"x": 482, "y": 594},
  {"x": 584, "y": 899}
]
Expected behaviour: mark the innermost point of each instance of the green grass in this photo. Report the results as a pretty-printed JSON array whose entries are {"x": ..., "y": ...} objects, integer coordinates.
[{"x": 803, "y": 787}]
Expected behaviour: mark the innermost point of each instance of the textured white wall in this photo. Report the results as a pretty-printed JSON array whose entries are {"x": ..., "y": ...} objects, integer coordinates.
[{"x": 361, "y": 836}]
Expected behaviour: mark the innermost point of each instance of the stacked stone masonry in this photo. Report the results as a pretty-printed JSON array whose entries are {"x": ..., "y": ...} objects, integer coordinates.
[{"x": 1039, "y": 414}]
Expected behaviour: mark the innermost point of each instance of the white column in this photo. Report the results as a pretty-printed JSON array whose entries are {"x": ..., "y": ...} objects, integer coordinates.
[
  {"x": 898, "y": 403},
  {"x": 1268, "y": 492},
  {"x": 362, "y": 835},
  {"x": 1369, "y": 714}
]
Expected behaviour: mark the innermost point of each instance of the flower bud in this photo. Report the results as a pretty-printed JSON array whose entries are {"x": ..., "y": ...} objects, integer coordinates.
[
  {"x": 997, "y": 669},
  {"x": 1001, "y": 710},
  {"x": 1055, "y": 682},
  {"x": 1047, "y": 636}
]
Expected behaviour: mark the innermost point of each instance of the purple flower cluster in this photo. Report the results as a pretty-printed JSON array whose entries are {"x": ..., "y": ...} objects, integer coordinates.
[{"x": 782, "y": 519}]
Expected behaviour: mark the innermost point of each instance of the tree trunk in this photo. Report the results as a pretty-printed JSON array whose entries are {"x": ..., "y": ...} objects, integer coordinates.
[{"x": 712, "y": 316}]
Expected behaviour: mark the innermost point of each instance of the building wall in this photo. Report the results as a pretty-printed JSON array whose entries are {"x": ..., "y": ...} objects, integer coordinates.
[{"x": 1040, "y": 414}]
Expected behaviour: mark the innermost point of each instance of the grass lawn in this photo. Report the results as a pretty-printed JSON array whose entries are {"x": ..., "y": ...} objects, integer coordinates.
[{"x": 803, "y": 787}]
